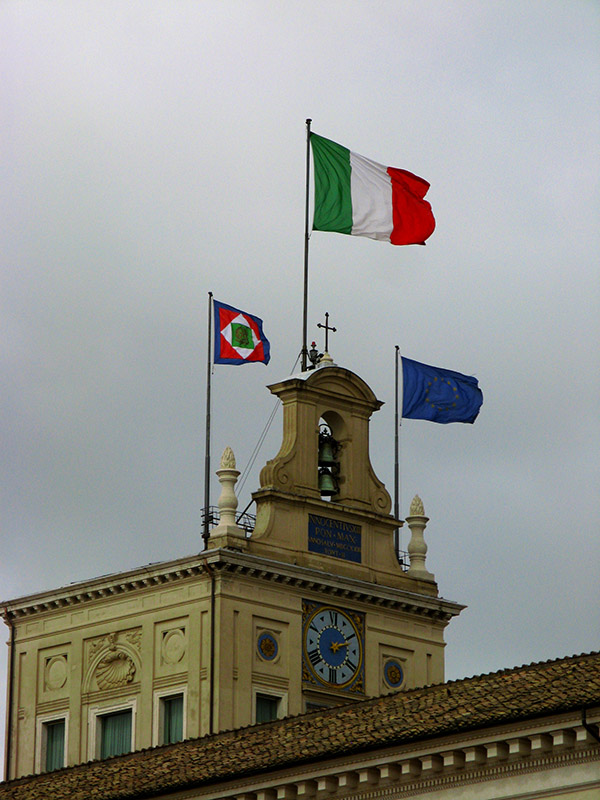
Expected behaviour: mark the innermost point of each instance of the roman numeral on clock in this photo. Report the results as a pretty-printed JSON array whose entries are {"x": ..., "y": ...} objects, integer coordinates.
[{"x": 314, "y": 656}]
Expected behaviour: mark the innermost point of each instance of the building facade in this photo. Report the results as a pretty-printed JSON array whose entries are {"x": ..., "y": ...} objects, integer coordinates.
[{"x": 310, "y": 611}]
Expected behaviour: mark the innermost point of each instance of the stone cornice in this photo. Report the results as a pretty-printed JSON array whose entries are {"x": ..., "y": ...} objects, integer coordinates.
[
  {"x": 342, "y": 588},
  {"x": 448, "y": 763},
  {"x": 316, "y": 505},
  {"x": 226, "y": 561},
  {"x": 120, "y": 583}
]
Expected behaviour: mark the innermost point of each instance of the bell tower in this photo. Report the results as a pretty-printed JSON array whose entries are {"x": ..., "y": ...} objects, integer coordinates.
[{"x": 321, "y": 504}]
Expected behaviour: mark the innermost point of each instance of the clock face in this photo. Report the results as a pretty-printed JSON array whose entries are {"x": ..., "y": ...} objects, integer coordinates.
[{"x": 333, "y": 646}]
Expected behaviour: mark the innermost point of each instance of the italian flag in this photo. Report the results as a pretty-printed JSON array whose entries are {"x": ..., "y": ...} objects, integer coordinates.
[{"x": 360, "y": 197}]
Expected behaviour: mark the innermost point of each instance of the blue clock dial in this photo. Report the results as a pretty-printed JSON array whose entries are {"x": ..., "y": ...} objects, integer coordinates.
[{"x": 333, "y": 646}]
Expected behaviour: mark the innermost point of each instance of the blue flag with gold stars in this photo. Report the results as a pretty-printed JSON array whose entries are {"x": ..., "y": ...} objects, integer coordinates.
[{"x": 439, "y": 395}]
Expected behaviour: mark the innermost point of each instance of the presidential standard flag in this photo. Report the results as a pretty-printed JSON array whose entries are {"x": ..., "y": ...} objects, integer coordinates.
[
  {"x": 360, "y": 197},
  {"x": 239, "y": 337},
  {"x": 438, "y": 395}
]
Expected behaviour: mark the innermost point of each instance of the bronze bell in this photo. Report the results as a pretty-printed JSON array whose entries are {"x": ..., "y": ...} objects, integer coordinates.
[
  {"x": 326, "y": 452},
  {"x": 327, "y": 485},
  {"x": 328, "y": 448}
]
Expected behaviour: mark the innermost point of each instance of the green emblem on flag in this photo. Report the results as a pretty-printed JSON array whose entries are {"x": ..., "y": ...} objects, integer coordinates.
[{"x": 241, "y": 336}]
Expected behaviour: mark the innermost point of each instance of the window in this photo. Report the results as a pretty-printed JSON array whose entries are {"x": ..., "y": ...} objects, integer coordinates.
[
  {"x": 267, "y": 704},
  {"x": 55, "y": 745},
  {"x": 168, "y": 716},
  {"x": 172, "y": 719},
  {"x": 111, "y": 729},
  {"x": 115, "y": 733},
  {"x": 267, "y": 707},
  {"x": 51, "y": 739}
]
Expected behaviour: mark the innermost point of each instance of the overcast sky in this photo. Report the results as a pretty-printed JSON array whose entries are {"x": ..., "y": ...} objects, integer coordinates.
[{"x": 154, "y": 151}]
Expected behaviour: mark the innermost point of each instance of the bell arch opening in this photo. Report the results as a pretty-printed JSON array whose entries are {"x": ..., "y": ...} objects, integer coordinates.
[{"x": 331, "y": 433}]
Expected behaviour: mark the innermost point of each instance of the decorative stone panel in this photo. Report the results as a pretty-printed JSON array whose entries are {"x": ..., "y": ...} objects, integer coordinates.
[
  {"x": 53, "y": 673},
  {"x": 171, "y": 642},
  {"x": 56, "y": 672},
  {"x": 112, "y": 661},
  {"x": 173, "y": 646}
]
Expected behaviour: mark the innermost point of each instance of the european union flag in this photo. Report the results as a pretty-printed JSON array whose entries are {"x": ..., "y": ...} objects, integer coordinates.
[{"x": 439, "y": 395}]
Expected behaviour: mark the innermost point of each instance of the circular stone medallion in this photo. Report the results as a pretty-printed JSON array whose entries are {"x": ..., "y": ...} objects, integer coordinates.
[
  {"x": 173, "y": 646},
  {"x": 56, "y": 672}
]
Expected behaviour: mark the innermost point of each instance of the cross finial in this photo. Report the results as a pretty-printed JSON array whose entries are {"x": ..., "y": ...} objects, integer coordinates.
[{"x": 327, "y": 329}]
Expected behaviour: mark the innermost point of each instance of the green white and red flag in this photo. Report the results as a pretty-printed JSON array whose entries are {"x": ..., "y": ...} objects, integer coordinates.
[
  {"x": 239, "y": 337},
  {"x": 360, "y": 197}
]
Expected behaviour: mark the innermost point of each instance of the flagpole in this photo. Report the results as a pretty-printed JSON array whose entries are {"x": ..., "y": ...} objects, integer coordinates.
[
  {"x": 398, "y": 422},
  {"x": 207, "y": 436},
  {"x": 306, "y": 231}
]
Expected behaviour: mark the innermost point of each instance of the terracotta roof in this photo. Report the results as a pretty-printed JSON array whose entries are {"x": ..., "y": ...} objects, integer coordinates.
[{"x": 535, "y": 690}]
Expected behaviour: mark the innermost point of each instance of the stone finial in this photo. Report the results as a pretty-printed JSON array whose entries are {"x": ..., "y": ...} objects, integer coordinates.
[
  {"x": 228, "y": 459},
  {"x": 227, "y": 533},
  {"x": 417, "y": 547},
  {"x": 416, "y": 507},
  {"x": 327, "y": 361}
]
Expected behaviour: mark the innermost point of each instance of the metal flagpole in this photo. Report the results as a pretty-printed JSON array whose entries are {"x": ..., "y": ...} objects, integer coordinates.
[
  {"x": 398, "y": 422},
  {"x": 207, "y": 437},
  {"x": 305, "y": 309}
]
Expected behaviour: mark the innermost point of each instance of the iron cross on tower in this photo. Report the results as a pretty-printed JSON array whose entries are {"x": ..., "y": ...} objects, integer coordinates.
[{"x": 327, "y": 329}]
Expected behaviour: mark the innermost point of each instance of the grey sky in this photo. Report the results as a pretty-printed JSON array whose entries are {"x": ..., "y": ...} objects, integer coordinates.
[{"x": 153, "y": 151}]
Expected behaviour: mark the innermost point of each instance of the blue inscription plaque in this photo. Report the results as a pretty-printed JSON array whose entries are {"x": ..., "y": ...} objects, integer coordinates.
[{"x": 332, "y": 537}]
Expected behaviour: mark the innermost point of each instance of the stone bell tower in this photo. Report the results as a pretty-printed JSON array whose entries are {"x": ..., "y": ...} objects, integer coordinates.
[{"x": 349, "y": 531}]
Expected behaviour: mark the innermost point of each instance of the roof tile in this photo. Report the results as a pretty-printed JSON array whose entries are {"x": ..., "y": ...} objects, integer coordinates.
[{"x": 506, "y": 696}]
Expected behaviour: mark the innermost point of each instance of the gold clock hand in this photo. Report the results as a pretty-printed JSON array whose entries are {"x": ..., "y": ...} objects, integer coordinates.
[{"x": 335, "y": 646}]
